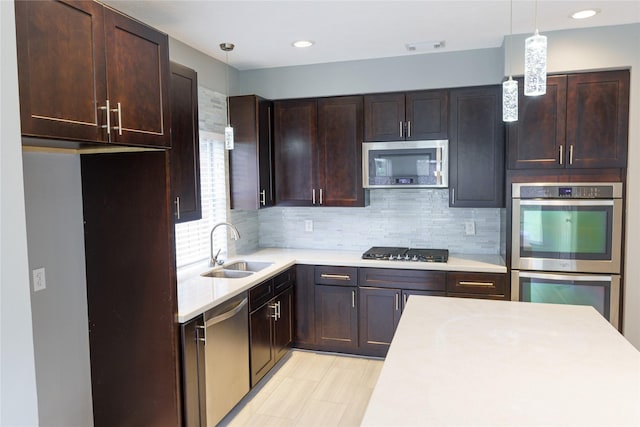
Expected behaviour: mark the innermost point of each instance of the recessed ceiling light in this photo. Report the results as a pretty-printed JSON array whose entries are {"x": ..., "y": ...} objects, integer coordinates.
[
  {"x": 303, "y": 43},
  {"x": 584, "y": 14}
]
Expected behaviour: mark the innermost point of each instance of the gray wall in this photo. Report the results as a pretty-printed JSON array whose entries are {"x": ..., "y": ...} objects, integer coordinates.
[
  {"x": 424, "y": 71},
  {"x": 55, "y": 235},
  {"x": 18, "y": 395}
]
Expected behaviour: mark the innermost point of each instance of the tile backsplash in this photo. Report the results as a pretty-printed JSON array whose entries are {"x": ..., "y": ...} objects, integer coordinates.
[{"x": 395, "y": 217}]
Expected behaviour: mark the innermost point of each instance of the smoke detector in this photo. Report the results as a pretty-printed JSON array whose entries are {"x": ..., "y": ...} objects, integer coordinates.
[{"x": 425, "y": 46}]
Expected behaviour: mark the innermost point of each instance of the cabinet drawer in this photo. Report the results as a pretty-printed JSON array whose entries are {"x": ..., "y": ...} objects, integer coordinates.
[
  {"x": 260, "y": 294},
  {"x": 476, "y": 283},
  {"x": 419, "y": 280},
  {"x": 283, "y": 280},
  {"x": 337, "y": 276}
]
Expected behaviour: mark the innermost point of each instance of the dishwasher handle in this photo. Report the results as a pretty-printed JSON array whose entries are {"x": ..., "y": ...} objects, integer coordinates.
[{"x": 227, "y": 314}]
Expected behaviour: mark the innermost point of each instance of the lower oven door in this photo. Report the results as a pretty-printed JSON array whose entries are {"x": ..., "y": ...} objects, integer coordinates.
[{"x": 600, "y": 291}]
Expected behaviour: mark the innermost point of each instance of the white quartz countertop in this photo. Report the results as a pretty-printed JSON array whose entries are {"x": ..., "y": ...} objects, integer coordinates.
[
  {"x": 197, "y": 294},
  {"x": 470, "y": 362}
]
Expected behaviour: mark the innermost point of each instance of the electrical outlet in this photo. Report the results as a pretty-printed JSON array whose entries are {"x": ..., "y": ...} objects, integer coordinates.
[
  {"x": 469, "y": 228},
  {"x": 308, "y": 225},
  {"x": 39, "y": 281}
]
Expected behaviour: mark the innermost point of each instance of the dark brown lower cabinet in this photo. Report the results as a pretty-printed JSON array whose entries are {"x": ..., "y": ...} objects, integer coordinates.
[
  {"x": 270, "y": 324},
  {"x": 305, "y": 306},
  {"x": 476, "y": 285},
  {"x": 336, "y": 315},
  {"x": 380, "y": 311}
]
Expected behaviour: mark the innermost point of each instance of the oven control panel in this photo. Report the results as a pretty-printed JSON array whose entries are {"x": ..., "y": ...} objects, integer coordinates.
[{"x": 568, "y": 191}]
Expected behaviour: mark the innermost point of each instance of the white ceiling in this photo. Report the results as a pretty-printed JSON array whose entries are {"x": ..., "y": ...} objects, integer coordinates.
[{"x": 357, "y": 29}]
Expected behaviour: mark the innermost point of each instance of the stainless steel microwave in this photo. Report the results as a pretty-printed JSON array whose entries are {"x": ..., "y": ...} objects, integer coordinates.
[{"x": 405, "y": 164}]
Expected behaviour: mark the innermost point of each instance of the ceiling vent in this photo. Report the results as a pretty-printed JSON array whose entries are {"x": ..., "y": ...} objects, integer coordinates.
[{"x": 425, "y": 46}]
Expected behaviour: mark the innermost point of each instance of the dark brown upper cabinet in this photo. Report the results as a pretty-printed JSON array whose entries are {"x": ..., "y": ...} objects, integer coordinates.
[
  {"x": 476, "y": 147},
  {"x": 318, "y": 152},
  {"x": 88, "y": 73},
  {"x": 185, "y": 144},
  {"x": 251, "y": 160},
  {"x": 581, "y": 122},
  {"x": 406, "y": 116}
]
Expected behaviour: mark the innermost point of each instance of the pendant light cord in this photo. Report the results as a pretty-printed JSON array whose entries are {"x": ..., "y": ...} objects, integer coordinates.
[
  {"x": 510, "y": 35},
  {"x": 228, "y": 91}
]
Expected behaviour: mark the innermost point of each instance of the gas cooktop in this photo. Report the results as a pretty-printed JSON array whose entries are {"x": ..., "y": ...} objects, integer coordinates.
[{"x": 406, "y": 254}]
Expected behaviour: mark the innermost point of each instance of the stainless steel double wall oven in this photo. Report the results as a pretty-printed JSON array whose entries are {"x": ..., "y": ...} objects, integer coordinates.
[{"x": 567, "y": 243}]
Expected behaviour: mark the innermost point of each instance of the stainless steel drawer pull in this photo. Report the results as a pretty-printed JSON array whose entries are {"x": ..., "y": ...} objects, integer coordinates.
[
  {"x": 353, "y": 299},
  {"x": 335, "y": 276},
  {"x": 484, "y": 284},
  {"x": 401, "y": 130},
  {"x": 275, "y": 311},
  {"x": 202, "y": 338},
  {"x": 397, "y": 302},
  {"x": 409, "y": 129},
  {"x": 405, "y": 297},
  {"x": 561, "y": 156},
  {"x": 119, "y": 111},
  {"x": 313, "y": 196},
  {"x": 263, "y": 198},
  {"x": 177, "y": 202},
  {"x": 321, "y": 196}
]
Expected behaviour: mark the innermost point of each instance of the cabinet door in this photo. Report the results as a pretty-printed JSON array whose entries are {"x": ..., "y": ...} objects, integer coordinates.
[
  {"x": 283, "y": 324},
  {"x": 340, "y": 132},
  {"x": 193, "y": 373},
  {"x": 295, "y": 145},
  {"x": 250, "y": 162},
  {"x": 304, "y": 307},
  {"x": 185, "y": 144},
  {"x": 384, "y": 116},
  {"x": 260, "y": 340},
  {"x": 598, "y": 119},
  {"x": 61, "y": 69},
  {"x": 406, "y": 293},
  {"x": 537, "y": 139},
  {"x": 336, "y": 317},
  {"x": 137, "y": 58},
  {"x": 476, "y": 157},
  {"x": 427, "y": 114},
  {"x": 379, "y": 314}
]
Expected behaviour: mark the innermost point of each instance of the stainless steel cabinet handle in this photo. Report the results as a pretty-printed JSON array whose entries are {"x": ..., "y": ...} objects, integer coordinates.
[
  {"x": 397, "y": 302},
  {"x": 202, "y": 338},
  {"x": 453, "y": 195},
  {"x": 353, "y": 299},
  {"x": 313, "y": 196},
  {"x": 278, "y": 310},
  {"x": 404, "y": 299},
  {"x": 335, "y": 276},
  {"x": 119, "y": 111},
  {"x": 274, "y": 315},
  {"x": 108, "y": 125},
  {"x": 401, "y": 129},
  {"x": 177, "y": 202},
  {"x": 483, "y": 284},
  {"x": 321, "y": 196},
  {"x": 571, "y": 154},
  {"x": 409, "y": 129},
  {"x": 561, "y": 156},
  {"x": 263, "y": 198}
]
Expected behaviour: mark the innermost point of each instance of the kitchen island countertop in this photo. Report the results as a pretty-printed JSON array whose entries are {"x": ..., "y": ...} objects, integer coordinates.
[
  {"x": 196, "y": 294},
  {"x": 456, "y": 362}
]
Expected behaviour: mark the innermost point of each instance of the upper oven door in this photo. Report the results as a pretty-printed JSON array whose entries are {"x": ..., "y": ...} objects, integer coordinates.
[{"x": 567, "y": 235}]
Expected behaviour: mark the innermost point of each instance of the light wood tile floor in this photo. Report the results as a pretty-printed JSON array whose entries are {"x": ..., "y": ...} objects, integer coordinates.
[{"x": 309, "y": 389}]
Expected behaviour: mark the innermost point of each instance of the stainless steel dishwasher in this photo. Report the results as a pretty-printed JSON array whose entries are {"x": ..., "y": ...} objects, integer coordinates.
[{"x": 226, "y": 357}]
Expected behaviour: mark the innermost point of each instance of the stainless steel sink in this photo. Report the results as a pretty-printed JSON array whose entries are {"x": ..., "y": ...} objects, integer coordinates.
[
  {"x": 227, "y": 274},
  {"x": 247, "y": 266}
]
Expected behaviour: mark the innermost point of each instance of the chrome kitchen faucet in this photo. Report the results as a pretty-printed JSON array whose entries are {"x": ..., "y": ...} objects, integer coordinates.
[{"x": 214, "y": 258}]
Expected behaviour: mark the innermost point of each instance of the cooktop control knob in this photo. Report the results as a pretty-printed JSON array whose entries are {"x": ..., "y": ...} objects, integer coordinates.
[{"x": 415, "y": 258}]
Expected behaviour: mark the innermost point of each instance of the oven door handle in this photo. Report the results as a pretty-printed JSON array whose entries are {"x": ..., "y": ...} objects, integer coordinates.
[
  {"x": 567, "y": 202},
  {"x": 574, "y": 277}
]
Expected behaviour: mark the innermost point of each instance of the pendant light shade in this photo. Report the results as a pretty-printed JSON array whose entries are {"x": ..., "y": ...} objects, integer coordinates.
[
  {"x": 535, "y": 62},
  {"x": 510, "y": 87},
  {"x": 510, "y": 100},
  {"x": 228, "y": 130}
]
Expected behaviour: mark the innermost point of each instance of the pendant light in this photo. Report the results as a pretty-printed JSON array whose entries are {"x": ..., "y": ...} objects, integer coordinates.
[
  {"x": 535, "y": 62},
  {"x": 510, "y": 87},
  {"x": 228, "y": 130}
]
